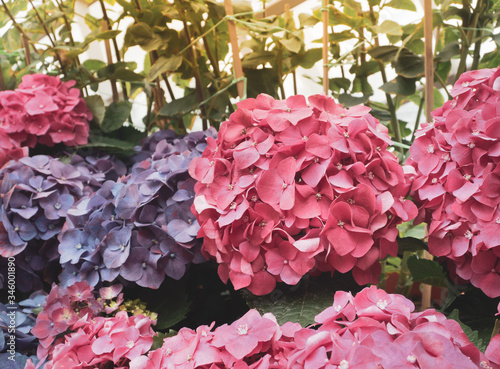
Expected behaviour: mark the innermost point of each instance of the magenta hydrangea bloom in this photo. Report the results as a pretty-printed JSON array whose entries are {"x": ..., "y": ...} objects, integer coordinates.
[
  {"x": 289, "y": 187},
  {"x": 457, "y": 181},
  {"x": 45, "y": 110}
]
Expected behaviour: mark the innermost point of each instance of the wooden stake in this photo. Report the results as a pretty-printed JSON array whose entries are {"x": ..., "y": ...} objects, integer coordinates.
[
  {"x": 325, "y": 47},
  {"x": 429, "y": 61},
  {"x": 233, "y": 37}
]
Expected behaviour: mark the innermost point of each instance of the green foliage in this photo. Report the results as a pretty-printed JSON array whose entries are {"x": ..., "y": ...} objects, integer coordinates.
[
  {"x": 472, "y": 335},
  {"x": 427, "y": 271},
  {"x": 301, "y": 303}
]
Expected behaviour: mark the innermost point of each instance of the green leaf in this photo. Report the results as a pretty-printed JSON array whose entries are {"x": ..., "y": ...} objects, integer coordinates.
[
  {"x": 443, "y": 70},
  {"x": 172, "y": 310},
  {"x": 307, "y": 20},
  {"x": 490, "y": 60},
  {"x": 93, "y": 64},
  {"x": 253, "y": 60},
  {"x": 348, "y": 100},
  {"x": 472, "y": 335},
  {"x": 402, "y": 4},
  {"x": 180, "y": 107},
  {"x": 417, "y": 46},
  {"x": 353, "y": 4},
  {"x": 336, "y": 84},
  {"x": 388, "y": 27},
  {"x": 110, "y": 144},
  {"x": 410, "y": 244},
  {"x": 409, "y": 65},
  {"x": 300, "y": 303},
  {"x": 158, "y": 339},
  {"x": 120, "y": 71},
  {"x": 107, "y": 35},
  {"x": 164, "y": 64},
  {"x": 448, "y": 52},
  {"x": 142, "y": 34},
  {"x": 381, "y": 115},
  {"x": 307, "y": 59},
  {"x": 292, "y": 44},
  {"x": 385, "y": 53},
  {"x": 95, "y": 104},
  {"x": 400, "y": 86},
  {"x": 116, "y": 114},
  {"x": 367, "y": 68},
  {"x": 263, "y": 80},
  {"x": 427, "y": 271}
]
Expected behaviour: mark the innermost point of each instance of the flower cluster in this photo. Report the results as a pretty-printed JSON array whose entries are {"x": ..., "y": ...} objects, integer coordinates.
[
  {"x": 35, "y": 195},
  {"x": 371, "y": 330},
  {"x": 253, "y": 341},
  {"x": 288, "y": 187},
  {"x": 45, "y": 110},
  {"x": 381, "y": 330},
  {"x": 139, "y": 228},
  {"x": 458, "y": 179},
  {"x": 73, "y": 335}
]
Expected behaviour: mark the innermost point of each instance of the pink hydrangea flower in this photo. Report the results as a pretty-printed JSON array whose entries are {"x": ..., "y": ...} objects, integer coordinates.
[
  {"x": 457, "y": 181},
  {"x": 45, "y": 110},
  {"x": 290, "y": 187},
  {"x": 370, "y": 330}
]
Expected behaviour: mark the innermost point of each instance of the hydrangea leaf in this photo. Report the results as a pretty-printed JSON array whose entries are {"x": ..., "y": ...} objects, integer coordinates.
[
  {"x": 427, "y": 271},
  {"x": 302, "y": 302},
  {"x": 473, "y": 335},
  {"x": 116, "y": 114}
]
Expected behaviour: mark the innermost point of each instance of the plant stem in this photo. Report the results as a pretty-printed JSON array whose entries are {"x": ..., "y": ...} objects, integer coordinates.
[
  {"x": 419, "y": 114},
  {"x": 390, "y": 103},
  {"x": 2, "y": 82},
  {"x": 443, "y": 83},
  {"x": 294, "y": 75},
  {"x": 392, "y": 111},
  {"x": 47, "y": 33},
  {"x": 199, "y": 88},
  {"x": 115, "y": 45},
  {"x": 169, "y": 88},
  {"x": 16, "y": 25},
  {"x": 404, "y": 275}
]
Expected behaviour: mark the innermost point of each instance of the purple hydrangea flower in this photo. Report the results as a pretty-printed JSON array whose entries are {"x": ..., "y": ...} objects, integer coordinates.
[
  {"x": 35, "y": 196},
  {"x": 140, "y": 226}
]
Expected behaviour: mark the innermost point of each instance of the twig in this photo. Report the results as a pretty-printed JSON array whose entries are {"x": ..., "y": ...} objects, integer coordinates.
[{"x": 115, "y": 45}]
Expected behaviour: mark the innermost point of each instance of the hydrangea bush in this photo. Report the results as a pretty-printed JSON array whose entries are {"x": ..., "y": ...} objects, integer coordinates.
[
  {"x": 43, "y": 109},
  {"x": 457, "y": 158},
  {"x": 140, "y": 227},
  {"x": 290, "y": 187}
]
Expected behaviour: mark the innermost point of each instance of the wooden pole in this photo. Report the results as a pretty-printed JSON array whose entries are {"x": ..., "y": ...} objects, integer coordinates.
[
  {"x": 325, "y": 47},
  {"x": 429, "y": 61},
  {"x": 233, "y": 37}
]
